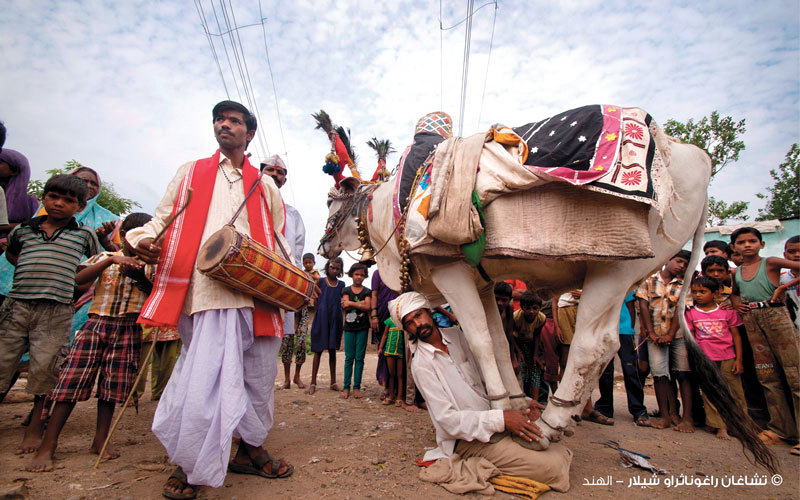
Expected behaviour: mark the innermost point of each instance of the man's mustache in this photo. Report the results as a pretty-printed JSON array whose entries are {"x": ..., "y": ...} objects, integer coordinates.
[{"x": 424, "y": 331}]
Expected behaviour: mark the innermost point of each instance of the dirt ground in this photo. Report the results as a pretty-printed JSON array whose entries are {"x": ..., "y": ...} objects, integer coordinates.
[{"x": 361, "y": 449}]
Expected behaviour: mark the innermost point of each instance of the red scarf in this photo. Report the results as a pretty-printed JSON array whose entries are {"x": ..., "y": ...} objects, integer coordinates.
[{"x": 182, "y": 242}]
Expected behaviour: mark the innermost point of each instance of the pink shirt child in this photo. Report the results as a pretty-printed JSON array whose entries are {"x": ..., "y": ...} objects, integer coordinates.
[{"x": 712, "y": 331}]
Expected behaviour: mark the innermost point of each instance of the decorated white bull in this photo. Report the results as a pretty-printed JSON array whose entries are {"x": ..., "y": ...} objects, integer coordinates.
[{"x": 596, "y": 235}]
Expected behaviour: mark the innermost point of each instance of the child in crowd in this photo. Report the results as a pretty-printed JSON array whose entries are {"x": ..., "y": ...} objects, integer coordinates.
[
  {"x": 108, "y": 344},
  {"x": 326, "y": 330},
  {"x": 392, "y": 346},
  {"x": 38, "y": 310},
  {"x": 549, "y": 353},
  {"x": 776, "y": 347},
  {"x": 789, "y": 279},
  {"x": 356, "y": 300},
  {"x": 565, "y": 316},
  {"x": 295, "y": 344},
  {"x": 379, "y": 313},
  {"x": 716, "y": 331},
  {"x": 717, "y": 267},
  {"x": 717, "y": 247},
  {"x": 503, "y": 298},
  {"x": 657, "y": 298},
  {"x": 720, "y": 249},
  {"x": 604, "y": 407},
  {"x": 528, "y": 323},
  {"x": 165, "y": 355}
]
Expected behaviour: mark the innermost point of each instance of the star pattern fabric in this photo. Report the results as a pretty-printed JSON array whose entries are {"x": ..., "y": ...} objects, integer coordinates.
[{"x": 609, "y": 147}]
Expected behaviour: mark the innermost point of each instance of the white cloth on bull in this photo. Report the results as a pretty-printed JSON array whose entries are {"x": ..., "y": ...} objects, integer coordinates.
[{"x": 222, "y": 386}]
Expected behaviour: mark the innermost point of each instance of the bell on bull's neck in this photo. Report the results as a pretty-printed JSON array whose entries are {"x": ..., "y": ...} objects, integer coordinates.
[{"x": 367, "y": 257}]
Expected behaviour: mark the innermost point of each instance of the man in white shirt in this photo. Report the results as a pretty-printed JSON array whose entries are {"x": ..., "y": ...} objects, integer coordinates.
[
  {"x": 222, "y": 384},
  {"x": 448, "y": 376},
  {"x": 293, "y": 323}
]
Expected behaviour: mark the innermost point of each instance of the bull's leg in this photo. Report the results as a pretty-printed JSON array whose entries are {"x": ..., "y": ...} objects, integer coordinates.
[
  {"x": 501, "y": 348},
  {"x": 595, "y": 342},
  {"x": 456, "y": 283}
]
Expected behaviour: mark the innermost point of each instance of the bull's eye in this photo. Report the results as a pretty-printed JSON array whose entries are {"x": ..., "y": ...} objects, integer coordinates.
[{"x": 329, "y": 203}]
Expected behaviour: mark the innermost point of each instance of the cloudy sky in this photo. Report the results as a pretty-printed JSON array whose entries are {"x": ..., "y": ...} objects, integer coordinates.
[{"x": 128, "y": 87}]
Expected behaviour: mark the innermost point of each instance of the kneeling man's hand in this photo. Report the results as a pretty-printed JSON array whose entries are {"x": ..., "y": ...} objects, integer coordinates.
[{"x": 520, "y": 422}]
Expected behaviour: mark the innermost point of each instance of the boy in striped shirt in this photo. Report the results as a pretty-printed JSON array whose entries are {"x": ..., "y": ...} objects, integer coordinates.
[
  {"x": 46, "y": 251},
  {"x": 108, "y": 344}
]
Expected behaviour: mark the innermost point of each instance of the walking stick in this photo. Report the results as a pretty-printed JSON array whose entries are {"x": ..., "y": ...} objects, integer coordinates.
[{"x": 143, "y": 368}]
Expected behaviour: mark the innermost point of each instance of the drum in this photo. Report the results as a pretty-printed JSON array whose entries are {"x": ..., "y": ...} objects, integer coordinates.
[{"x": 251, "y": 268}]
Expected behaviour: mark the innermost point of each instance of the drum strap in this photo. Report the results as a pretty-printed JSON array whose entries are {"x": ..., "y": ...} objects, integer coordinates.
[{"x": 241, "y": 207}]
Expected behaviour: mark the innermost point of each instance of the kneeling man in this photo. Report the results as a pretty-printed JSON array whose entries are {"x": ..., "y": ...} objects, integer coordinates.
[{"x": 448, "y": 376}]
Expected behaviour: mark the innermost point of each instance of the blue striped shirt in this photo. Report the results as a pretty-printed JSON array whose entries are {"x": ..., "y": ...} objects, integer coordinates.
[{"x": 46, "y": 266}]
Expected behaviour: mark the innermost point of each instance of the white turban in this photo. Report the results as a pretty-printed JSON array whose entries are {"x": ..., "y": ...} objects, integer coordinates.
[
  {"x": 274, "y": 161},
  {"x": 406, "y": 304}
]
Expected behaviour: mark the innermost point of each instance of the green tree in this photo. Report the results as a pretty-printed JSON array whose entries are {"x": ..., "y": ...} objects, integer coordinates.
[
  {"x": 783, "y": 199},
  {"x": 108, "y": 197},
  {"x": 717, "y": 136},
  {"x": 719, "y": 212}
]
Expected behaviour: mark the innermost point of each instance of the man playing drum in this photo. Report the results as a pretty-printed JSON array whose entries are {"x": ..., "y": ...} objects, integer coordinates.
[{"x": 222, "y": 385}]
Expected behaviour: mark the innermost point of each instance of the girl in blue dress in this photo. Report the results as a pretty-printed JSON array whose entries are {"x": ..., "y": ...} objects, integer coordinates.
[{"x": 327, "y": 328}]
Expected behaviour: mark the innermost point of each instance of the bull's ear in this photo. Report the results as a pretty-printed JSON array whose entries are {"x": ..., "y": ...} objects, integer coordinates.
[{"x": 349, "y": 185}]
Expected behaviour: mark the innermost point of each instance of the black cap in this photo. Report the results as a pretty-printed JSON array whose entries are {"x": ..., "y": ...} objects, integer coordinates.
[{"x": 249, "y": 119}]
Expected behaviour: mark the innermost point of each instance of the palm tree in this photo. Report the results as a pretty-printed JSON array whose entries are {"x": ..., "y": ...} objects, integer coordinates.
[{"x": 383, "y": 148}]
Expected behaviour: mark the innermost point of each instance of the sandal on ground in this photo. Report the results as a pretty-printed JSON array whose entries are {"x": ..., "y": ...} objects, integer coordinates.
[
  {"x": 599, "y": 418},
  {"x": 387, "y": 402},
  {"x": 256, "y": 467},
  {"x": 180, "y": 476},
  {"x": 642, "y": 420}
]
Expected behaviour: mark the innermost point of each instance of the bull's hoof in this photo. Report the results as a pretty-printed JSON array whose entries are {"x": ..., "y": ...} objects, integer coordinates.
[
  {"x": 522, "y": 403},
  {"x": 569, "y": 431},
  {"x": 540, "y": 445}
]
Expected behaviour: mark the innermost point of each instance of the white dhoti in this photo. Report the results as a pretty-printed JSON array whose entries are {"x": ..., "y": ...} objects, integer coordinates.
[{"x": 222, "y": 386}]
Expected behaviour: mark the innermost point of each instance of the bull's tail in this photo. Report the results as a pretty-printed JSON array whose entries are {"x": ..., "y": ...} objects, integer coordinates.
[{"x": 713, "y": 383}]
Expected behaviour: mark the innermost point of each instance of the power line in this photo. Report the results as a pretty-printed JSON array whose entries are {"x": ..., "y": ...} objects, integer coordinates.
[
  {"x": 211, "y": 44},
  {"x": 275, "y": 93},
  {"x": 465, "y": 66},
  {"x": 254, "y": 104},
  {"x": 488, "y": 59},
  {"x": 469, "y": 16},
  {"x": 225, "y": 47}
]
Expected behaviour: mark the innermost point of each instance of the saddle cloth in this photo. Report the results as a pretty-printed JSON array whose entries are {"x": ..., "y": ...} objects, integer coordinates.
[{"x": 545, "y": 211}]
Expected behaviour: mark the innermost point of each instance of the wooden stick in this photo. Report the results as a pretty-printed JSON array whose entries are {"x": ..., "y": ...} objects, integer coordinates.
[
  {"x": 128, "y": 400},
  {"x": 152, "y": 347},
  {"x": 173, "y": 217}
]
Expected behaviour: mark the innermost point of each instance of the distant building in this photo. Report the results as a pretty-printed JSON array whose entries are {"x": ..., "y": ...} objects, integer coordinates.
[{"x": 775, "y": 233}]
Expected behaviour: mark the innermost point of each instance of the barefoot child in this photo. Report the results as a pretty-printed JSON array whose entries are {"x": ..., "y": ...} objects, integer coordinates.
[
  {"x": 657, "y": 298},
  {"x": 772, "y": 334},
  {"x": 392, "y": 346},
  {"x": 38, "y": 310},
  {"x": 326, "y": 331},
  {"x": 528, "y": 323},
  {"x": 716, "y": 331},
  {"x": 296, "y": 344},
  {"x": 356, "y": 300},
  {"x": 109, "y": 343}
]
